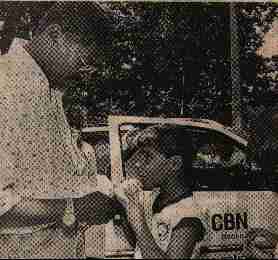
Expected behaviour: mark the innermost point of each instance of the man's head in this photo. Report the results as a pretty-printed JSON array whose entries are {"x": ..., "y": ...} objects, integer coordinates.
[
  {"x": 72, "y": 35},
  {"x": 160, "y": 154}
]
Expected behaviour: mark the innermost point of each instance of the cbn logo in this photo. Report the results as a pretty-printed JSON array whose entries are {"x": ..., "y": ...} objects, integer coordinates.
[{"x": 229, "y": 221}]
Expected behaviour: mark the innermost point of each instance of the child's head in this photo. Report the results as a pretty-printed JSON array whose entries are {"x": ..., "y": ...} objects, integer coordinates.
[{"x": 161, "y": 152}]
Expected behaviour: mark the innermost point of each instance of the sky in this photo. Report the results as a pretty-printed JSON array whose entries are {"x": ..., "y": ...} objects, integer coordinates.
[{"x": 270, "y": 45}]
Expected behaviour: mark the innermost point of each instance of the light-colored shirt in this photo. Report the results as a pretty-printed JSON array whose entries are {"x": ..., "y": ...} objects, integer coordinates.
[
  {"x": 164, "y": 222},
  {"x": 37, "y": 152},
  {"x": 38, "y": 155}
]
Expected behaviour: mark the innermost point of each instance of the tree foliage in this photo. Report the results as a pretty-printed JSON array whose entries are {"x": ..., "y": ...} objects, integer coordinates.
[
  {"x": 169, "y": 59},
  {"x": 176, "y": 55},
  {"x": 257, "y": 72}
]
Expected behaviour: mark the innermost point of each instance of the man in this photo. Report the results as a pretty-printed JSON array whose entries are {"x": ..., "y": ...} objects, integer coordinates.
[
  {"x": 45, "y": 193},
  {"x": 161, "y": 158}
]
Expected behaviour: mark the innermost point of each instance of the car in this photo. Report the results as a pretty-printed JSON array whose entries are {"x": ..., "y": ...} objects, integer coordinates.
[{"x": 234, "y": 195}]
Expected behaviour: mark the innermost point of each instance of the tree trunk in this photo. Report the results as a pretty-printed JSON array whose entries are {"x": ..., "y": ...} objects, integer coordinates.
[{"x": 235, "y": 72}]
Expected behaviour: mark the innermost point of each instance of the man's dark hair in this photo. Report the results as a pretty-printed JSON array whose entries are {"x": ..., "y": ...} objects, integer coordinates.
[{"x": 88, "y": 19}]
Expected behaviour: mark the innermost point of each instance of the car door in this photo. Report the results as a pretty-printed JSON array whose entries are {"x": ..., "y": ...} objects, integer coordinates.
[{"x": 233, "y": 191}]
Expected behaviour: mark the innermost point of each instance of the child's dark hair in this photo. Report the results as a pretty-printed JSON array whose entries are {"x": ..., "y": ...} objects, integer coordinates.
[{"x": 174, "y": 140}]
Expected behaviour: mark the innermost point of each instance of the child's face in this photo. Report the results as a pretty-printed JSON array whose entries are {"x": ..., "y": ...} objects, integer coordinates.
[{"x": 149, "y": 166}]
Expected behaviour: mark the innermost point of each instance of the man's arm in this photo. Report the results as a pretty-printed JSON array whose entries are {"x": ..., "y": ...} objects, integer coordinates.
[
  {"x": 33, "y": 212},
  {"x": 94, "y": 208},
  {"x": 97, "y": 208}
]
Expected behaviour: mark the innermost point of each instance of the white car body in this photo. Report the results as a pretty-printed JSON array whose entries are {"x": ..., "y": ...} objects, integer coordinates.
[{"x": 227, "y": 214}]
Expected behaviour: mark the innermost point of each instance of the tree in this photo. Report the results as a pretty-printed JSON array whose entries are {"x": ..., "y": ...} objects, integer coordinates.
[
  {"x": 175, "y": 53},
  {"x": 170, "y": 56},
  {"x": 257, "y": 72}
]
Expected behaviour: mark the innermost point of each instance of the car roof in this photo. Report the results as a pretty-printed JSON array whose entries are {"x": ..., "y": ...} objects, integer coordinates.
[
  {"x": 195, "y": 123},
  {"x": 95, "y": 129},
  {"x": 215, "y": 126}
]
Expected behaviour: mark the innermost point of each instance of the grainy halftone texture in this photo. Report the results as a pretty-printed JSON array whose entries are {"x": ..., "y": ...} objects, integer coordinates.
[
  {"x": 39, "y": 157},
  {"x": 239, "y": 205},
  {"x": 157, "y": 160},
  {"x": 235, "y": 69}
]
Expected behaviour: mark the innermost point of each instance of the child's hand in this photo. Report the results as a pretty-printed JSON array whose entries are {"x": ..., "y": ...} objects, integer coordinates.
[
  {"x": 128, "y": 195},
  {"x": 128, "y": 191}
]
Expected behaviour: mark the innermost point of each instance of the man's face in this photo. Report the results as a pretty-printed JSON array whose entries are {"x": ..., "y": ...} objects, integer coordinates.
[{"x": 75, "y": 55}]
